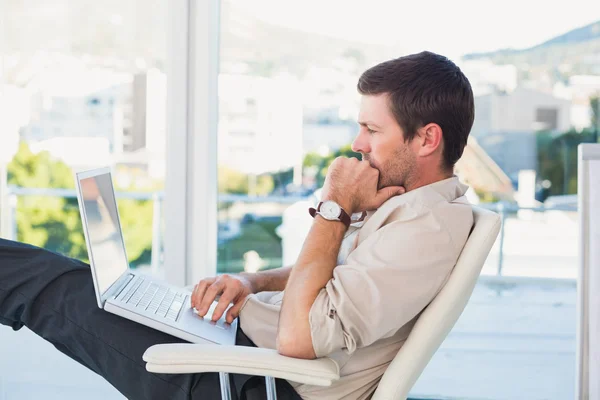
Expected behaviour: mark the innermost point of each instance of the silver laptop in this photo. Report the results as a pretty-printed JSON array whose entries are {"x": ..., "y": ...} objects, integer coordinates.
[{"x": 124, "y": 292}]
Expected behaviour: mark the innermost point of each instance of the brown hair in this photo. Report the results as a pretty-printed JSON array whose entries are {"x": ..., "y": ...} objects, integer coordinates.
[{"x": 426, "y": 88}]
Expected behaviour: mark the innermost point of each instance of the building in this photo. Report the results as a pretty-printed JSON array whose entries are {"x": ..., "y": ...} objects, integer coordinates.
[
  {"x": 579, "y": 90},
  {"x": 76, "y": 102},
  {"x": 326, "y": 138},
  {"x": 146, "y": 113},
  {"x": 522, "y": 110},
  {"x": 90, "y": 117},
  {"x": 260, "y": 125},
  {"x": 144, "y": 124},
  {"x": 506, "y": 124}
]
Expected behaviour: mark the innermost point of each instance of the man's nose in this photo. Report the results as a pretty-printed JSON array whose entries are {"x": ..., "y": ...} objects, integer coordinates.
[{"x": 360, "y": 145}]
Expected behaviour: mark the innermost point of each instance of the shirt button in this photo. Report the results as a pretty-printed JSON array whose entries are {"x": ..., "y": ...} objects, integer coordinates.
[{"x": 332, "y": 313}]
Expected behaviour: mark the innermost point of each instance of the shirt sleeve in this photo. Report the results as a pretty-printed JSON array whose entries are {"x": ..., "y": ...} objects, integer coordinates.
[{"x": 386, "y": 282}]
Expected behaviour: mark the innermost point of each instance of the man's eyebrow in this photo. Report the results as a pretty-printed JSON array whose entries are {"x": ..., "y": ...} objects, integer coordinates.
[{"x": 365, "y": 123}]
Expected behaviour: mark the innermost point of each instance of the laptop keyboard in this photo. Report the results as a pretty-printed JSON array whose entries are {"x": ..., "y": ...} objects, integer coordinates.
[{"x": 150, "y": 296}]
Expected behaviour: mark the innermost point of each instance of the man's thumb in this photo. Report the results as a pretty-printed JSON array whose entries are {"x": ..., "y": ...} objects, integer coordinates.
[{"x": 387, "y": 193}]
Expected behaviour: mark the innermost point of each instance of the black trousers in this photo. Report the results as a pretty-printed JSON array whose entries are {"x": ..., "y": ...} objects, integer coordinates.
[{"x": 53, "y": 295}]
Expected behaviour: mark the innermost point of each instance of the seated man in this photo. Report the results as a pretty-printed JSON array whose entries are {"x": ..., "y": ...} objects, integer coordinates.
[{"x": 357, "y": 287}]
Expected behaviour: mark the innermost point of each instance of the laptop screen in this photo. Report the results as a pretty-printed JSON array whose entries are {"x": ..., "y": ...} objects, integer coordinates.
[{"x": 108, "y": 257}]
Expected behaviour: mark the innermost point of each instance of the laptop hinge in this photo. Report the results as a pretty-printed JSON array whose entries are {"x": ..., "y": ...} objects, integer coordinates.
[{"x": 123, "y": 284}]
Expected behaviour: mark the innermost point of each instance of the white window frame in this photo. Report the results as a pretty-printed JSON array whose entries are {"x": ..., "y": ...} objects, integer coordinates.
[
  {"x": 192, "y": 68},
  {"x": 588, "y": 282}
]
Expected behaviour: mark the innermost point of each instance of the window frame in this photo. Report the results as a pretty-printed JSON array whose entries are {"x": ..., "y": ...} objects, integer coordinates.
[{"x": 190, "y": 241}]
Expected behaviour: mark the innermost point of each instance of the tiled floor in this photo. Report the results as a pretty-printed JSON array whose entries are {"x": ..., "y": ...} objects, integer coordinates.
[
  {"x": 31, "y": 368},
  {"x": 514, "y": 341}
]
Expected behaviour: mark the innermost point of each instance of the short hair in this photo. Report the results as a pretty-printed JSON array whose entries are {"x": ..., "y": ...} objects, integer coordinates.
[{"x": 426, "y": 88}]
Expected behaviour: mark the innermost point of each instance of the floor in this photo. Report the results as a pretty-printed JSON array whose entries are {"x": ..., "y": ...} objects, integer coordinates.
[{"x": 515, "y": 340}]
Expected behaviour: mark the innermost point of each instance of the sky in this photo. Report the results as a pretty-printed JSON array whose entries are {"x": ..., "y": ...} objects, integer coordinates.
[{"x": 454, "y": 27}]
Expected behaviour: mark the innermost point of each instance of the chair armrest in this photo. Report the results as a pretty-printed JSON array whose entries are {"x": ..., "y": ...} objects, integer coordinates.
[{"x": 193, "y": 358}]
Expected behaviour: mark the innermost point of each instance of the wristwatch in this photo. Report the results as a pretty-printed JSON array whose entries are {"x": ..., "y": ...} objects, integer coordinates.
[{"x": 332, "y": 211}]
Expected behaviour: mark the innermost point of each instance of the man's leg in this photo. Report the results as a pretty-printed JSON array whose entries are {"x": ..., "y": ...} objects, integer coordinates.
[{"x": 54, "y": 297}]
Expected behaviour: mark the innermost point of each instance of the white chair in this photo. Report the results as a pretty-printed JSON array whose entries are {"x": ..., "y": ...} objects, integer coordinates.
[{"x": 429, "y": 332}]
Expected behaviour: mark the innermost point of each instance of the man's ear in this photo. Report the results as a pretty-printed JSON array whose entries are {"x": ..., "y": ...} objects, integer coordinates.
[{"x": 430, "y": 139}]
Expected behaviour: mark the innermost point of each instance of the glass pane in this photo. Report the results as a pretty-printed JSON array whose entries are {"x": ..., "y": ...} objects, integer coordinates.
[
  {"x": 542, "y": 244},
  {"x": 84, "y": 87},
  {"x": 288, "y": 106}
]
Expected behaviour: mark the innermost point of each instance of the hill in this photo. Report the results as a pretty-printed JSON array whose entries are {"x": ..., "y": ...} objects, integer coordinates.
[
  {"x": 576, "y": 52},
  {"x": 265, "y": 47}
]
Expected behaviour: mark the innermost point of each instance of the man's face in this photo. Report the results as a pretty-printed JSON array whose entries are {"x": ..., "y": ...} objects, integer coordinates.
[{"x": 381, "y": 142}]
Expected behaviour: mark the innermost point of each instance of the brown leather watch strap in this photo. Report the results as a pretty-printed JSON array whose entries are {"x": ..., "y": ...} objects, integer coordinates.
[{"x": 344, "y": 217}]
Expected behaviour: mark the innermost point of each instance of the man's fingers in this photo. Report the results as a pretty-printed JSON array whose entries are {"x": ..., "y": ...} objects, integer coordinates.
[
  {"x": 209, "y": 296},
  {"x": 199, "y": 291},
  {"x": 234, "y": 311},
  {"x": 224, "y": 302}
]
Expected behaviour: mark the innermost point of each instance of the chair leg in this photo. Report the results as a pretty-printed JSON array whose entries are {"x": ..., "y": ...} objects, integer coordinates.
[
  {"x": 271, "y": 391},
  {"x": 225, "y": 387}
]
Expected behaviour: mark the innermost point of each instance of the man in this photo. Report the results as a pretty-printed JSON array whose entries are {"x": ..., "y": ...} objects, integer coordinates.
[{"x": 354, "y": 292}]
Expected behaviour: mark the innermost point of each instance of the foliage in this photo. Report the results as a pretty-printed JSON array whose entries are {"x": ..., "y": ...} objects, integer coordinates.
[
  {"x": 323, "y": 162},
  {"x": 137, "y": 219},
  {"x": 38, "y": 170},
  {"x": 283, "y": 178},
  {"x": 234, "y": 182},
  {"x": 557, "y": 159},
  {"x": 54, "y": 223},
  {"x": 257, "y": 235},
  {"x": 48, "y": 222},
  {"x": 595, "y": 110}
]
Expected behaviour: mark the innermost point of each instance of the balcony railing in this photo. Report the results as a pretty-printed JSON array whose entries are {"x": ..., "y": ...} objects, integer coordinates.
[{"x": 506, "y": 210}]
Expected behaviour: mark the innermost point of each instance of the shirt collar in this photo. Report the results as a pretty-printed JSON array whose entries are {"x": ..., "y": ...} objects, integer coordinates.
[{"x": 450, "y": 189}]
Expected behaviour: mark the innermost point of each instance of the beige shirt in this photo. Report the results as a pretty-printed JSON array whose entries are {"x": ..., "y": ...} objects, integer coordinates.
[{"x": 390, "y": 266}]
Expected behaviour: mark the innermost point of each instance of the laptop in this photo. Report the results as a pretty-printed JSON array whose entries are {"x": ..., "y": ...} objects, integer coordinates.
[{"x": 125, "y": 292}]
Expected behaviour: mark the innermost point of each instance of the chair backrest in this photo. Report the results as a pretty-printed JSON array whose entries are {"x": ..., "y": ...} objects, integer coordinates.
[{"x": 439, "y": 317}]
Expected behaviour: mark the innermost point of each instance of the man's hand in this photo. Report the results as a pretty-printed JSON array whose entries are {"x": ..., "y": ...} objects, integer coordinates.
[
  {"x": 353, "y": 185},
  {"x": 231, "y": 288}
]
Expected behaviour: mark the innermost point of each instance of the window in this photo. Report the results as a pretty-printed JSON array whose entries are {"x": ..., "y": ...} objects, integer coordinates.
[
  {"x": 288, "y": 105},
  {"x": 547, "y": 117},
  {"x": 86, "y": 87}
]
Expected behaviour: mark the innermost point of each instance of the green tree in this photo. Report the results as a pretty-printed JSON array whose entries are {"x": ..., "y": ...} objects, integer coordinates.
[
  {"x": 283, "y": 178},
  {"x": 136, "y": 219},
  {"x": 234, "y": 182},
  {"x": 595, "y": 112},
  {"x": 322, "y": 163},
  {"x": 54, "y": 223},
  {"x": 48, "y": 222},
  {"x": 38, "y": 170},
  {"x": 557, "y": 159}
]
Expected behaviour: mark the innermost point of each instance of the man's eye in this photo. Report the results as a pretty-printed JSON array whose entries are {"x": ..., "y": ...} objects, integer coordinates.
[{"x": 371, "y": 131}]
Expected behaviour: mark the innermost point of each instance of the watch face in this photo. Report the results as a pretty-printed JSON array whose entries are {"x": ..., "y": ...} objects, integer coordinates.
[{"x": 330, "y": 210}]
